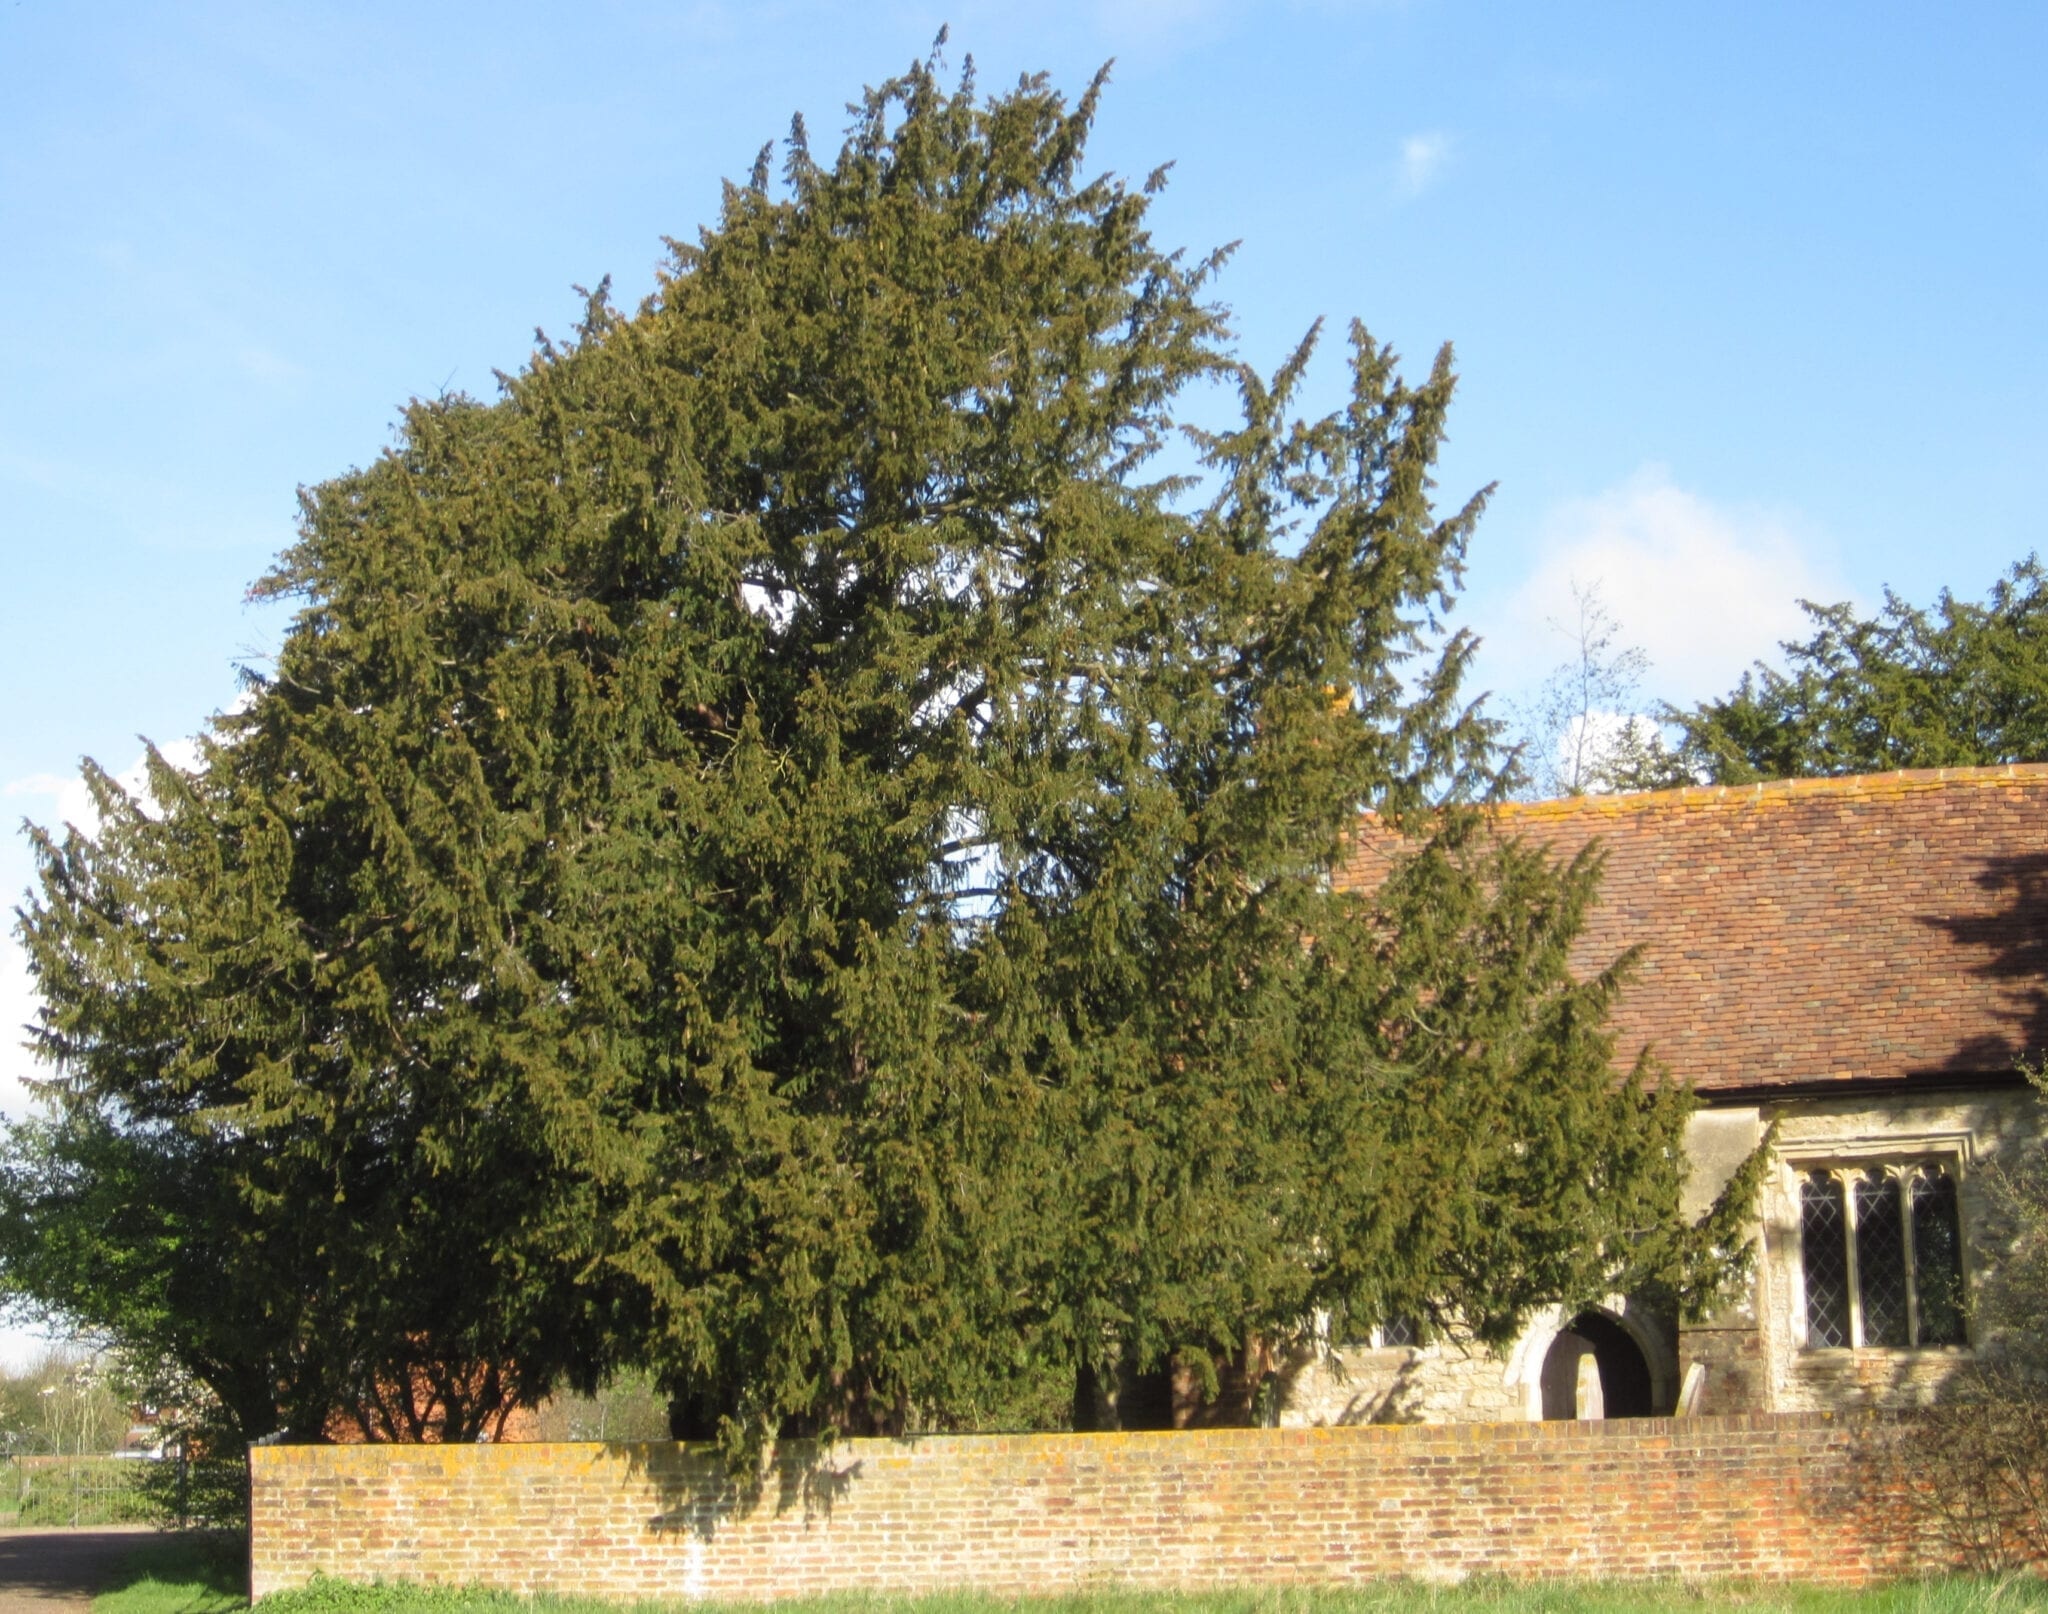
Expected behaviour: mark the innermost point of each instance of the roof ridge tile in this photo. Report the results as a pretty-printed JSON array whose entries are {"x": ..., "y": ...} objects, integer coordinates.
[{"x": 1864, "y": 786}]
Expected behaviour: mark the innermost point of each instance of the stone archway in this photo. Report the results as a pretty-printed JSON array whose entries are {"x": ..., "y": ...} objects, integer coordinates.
[{"x": 1595, "y": 1369}]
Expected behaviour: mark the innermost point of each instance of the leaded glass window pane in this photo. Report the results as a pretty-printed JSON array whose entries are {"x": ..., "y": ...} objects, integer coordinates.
[
  {"x": 1937, "y": 1259},
  {"x": 1400, "y": 1331},
  {"x": 1881, "y": 1260},
  {"x": 1823, "y": 1235}
]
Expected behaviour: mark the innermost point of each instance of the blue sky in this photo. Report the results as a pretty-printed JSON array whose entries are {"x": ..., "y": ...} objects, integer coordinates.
[{"x": 1747, "y": 299}]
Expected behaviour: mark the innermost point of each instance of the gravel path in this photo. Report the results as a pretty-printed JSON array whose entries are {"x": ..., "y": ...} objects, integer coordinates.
[{"x": 57, "y": 1571}]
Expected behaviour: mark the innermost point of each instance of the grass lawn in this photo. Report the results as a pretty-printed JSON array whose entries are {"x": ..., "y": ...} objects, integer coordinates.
[
  {"x": 203, "y": 1575},
  {"x": 199, "y": 1573}
]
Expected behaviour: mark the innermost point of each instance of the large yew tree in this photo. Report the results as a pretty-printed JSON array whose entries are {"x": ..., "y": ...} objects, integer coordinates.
[{"x": 787, "y": 850}]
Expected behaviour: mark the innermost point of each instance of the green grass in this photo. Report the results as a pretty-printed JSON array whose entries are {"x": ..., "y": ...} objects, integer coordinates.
[
  {"x": 184, "y": 1575},
  {"x": 196, "y": 1573}
]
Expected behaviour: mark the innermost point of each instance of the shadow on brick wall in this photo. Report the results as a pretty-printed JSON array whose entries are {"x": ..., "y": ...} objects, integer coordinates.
[
  {"x": 697, "y": 1491},
  {"x": 1964, "y": 1485}
]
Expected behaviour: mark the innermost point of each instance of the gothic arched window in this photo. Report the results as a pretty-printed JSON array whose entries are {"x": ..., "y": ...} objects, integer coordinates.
[{"x": 1881, "y": 1249}]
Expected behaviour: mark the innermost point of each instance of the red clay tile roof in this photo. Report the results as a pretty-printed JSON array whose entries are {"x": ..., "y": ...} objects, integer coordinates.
[{"x": 1821, "y": 930}]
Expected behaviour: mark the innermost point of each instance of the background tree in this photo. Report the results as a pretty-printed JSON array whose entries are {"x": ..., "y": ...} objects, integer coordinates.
[
  {"x": 67, "y": 1401},
  {"x": 779, "y": 854},
  {"x": 1581, "y": 732},
  {"x": 1964, "y": 684}
]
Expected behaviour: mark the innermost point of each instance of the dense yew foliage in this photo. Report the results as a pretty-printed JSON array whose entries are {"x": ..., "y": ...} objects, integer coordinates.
[
  {"x": 1961, "y": 685},
  {"x": 783, "y": 854}
]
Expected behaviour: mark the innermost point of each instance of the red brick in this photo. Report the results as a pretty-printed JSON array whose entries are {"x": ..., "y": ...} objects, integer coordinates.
[{"x": 1651, "y": 1497}]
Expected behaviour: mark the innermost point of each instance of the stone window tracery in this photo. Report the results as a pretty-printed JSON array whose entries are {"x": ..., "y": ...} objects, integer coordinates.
[{"x": 1881, "y": 1254}]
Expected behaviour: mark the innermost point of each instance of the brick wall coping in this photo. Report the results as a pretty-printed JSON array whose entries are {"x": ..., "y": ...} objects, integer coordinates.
[{"x": 1628, "y": 1431}]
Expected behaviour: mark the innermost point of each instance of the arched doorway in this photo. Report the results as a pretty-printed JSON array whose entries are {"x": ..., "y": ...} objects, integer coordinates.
[{"x": 1618, "y": 1382}]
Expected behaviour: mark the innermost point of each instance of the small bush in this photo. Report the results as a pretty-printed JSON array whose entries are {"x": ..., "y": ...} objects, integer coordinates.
[
  {"x": 201, "y": 1493},
  {"x": 1976, "y": 1470}
]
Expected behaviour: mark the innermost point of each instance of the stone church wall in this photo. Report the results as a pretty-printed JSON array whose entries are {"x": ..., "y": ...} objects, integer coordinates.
[
  {"x": 1751, "y": 1355},
  {"x": 1968, "y": 1129}
]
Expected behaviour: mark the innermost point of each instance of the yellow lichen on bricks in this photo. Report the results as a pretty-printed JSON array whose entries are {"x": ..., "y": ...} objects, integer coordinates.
[{"x": 1055, "y": 1513}]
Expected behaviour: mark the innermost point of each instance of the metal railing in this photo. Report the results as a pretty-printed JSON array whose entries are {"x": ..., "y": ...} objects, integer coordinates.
[{"x": 42, "y": 1493}]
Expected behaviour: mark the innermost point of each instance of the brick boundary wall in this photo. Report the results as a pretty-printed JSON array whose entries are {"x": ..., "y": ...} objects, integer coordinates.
[{"x": 1800, "y": 1496}]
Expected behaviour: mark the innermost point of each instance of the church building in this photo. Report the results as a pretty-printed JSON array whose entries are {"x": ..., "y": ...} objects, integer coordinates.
[{"x": 1864, "y": 963}]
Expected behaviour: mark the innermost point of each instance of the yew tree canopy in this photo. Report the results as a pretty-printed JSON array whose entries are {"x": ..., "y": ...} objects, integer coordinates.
[
  {"x": 1963, "y": 684},
  {"x": 787, "y": 850}
]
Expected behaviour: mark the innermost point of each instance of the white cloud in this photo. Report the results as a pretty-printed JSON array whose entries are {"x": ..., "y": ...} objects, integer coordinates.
[
  {"x": 1161, "y": 27},
  {"x": 776, "y": 607},
  {"x": 267, "y": 366},
  {"x": 1422, "y": 159},
  {"x": 35, "y": 471},
  {"x": 72, "y": 801},
  {"x": 1705, "y": 589}
]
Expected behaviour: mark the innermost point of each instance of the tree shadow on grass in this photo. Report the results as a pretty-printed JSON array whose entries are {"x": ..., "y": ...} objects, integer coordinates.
[{"x": 190, "y": 1572}]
